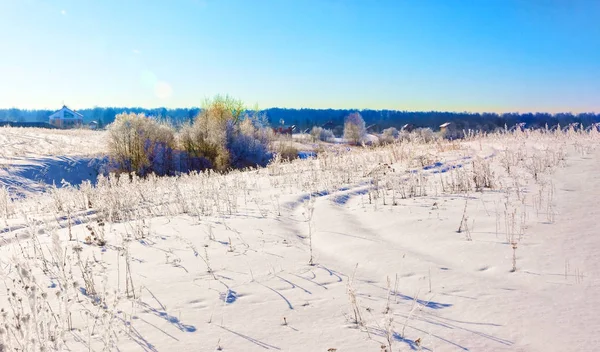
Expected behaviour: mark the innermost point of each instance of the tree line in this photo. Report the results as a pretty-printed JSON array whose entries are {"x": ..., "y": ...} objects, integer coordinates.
[{"x": 333, "y": 119}]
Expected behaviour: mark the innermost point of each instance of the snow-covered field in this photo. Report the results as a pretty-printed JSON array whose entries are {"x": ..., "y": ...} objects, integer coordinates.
[
  {"x": 34, "y": 159},
  {"x": 487, "y": 244}
]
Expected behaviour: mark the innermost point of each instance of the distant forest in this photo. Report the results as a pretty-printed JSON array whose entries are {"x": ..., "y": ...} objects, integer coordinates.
[{"x": 376, "y": 120}]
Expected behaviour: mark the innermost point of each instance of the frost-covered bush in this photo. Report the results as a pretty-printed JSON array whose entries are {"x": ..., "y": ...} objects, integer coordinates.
[
  {"x": 425, "y": 135},
  {"x": 355, "y": 129},
  {"x": 287, "y": 152},
  {"x": 321, "y": 134},
  {"x": 206, "y": 137},
  {"x": 221, "y": 137},
  {"x": 224, "y": 137},
  {"x": 140, "y": 144},
  {"x": 248, "y": 144},
  {"x": 196, "y": 147},
  {"x": 404, "y": 136},
  {"x": 389, "y": 135}
]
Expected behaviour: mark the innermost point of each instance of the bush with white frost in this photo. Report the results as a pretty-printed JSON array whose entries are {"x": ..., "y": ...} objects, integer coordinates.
[
  {"x": 221, "y": 137},
  {"x": 248, "y": 144},
  {"x": 140, "y": 144},
  {"x": 321, "y": 134},
  {"x": 206, "y": 137},
  {"x": 389, "y": 135},
  {"x": 355, "y": 129},
  {"x": 227, "y": 137},
  {"x": 425, "y": 135}
]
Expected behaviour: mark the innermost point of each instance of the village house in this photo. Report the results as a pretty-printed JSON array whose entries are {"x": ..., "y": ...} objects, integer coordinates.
[
  {"x": 284, "y": 129},
  {"x": 66, "y": 118},
  {"x": 93, "y": 125},
  {"x": 448, "y": 130},
  {"x": 444, "y": 127},
  {"x": 409, "y": 127}
]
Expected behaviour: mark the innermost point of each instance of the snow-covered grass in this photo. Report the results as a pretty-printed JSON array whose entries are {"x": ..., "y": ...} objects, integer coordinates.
[{"x": 485, "y": 244}]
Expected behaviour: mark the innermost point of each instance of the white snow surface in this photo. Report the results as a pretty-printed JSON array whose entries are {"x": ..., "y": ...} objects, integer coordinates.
[
  {"x": 34, "y": 159},
  {"x": 213, "y": 262}
]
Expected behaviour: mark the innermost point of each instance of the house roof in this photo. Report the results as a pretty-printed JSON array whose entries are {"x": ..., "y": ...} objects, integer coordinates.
[
  {"x": 445, "y": 124},
  {"x": 65, "y": 108},
  {"x": 328, "y": 125}
]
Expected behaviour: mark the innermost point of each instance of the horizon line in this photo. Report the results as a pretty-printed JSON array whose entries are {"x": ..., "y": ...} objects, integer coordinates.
[{"x": 520, "y": 112}]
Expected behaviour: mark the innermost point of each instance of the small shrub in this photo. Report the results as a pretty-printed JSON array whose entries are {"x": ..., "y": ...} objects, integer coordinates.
[
  {"x": 389, "y": 135},
  {"x": 425, "y": 135},
  {"x": 320, "y": 134},
  {"x": 287, "y": 151},
  {"x": 404, "y": 136},
  {"x": 355, "y": 129}
]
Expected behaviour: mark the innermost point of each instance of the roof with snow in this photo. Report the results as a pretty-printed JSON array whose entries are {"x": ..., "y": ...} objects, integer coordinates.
[{"x": 66, "y": 113}]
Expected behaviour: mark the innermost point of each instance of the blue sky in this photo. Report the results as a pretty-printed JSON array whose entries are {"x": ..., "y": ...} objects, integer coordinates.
[{"x": 453, "y": 55}]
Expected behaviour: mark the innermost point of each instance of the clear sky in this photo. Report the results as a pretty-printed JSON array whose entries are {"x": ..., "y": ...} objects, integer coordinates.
[{"x": 454, "y": 55}]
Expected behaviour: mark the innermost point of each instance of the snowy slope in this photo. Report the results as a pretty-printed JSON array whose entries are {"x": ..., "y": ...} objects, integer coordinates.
[{"x": 32, "y": 159}]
